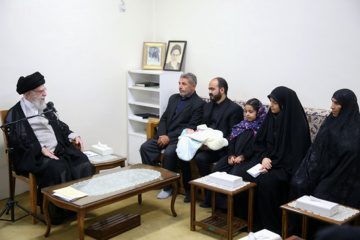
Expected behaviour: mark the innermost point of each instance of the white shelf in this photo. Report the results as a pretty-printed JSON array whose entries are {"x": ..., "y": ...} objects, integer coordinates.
[
  {"x": 145, "y": 104},
  {"x": 146, "y": 100},
  {"x": 134, "y": 118},
  {"x": 151, "y": 89},
  {"x": 137, "y": 134},
  {"x": 152, "y": 72}
]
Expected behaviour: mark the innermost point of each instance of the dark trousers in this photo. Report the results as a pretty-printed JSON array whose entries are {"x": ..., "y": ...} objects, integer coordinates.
[
  {"x": 203, "y": 160},
  {"x": 150, "y": 152}
]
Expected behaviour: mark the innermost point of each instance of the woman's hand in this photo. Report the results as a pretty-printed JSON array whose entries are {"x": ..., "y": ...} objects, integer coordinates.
[
  {"x": 238, "y": 159},
  {"x": 266, "y": 165},
  {"x": 231, "y": 160}
]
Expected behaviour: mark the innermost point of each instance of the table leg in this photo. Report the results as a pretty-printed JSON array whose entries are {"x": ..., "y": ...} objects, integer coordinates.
[
  {"x": 174, "y": 194},
  {"x": 80, "y": 218},
  {"x": 357, "y": 221},
  {"x": 192, "y": 217},
  {"x": 47, "y": 215},
  {"x": 230, "y": 216},
  {"x": 122, "y": 164},
  {"x": 304, "y": 227},
  {"x": 284, "y": 224},
  {"x": 139, "y": 199},
  {"x": 213, "y": 201},
  {"x": 250, "y": 209}
]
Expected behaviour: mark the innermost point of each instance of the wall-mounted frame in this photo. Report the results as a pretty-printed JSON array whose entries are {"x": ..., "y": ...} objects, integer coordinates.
[
  {"x": 153, "y": 55},
  {"x": 175, "y": 55}
]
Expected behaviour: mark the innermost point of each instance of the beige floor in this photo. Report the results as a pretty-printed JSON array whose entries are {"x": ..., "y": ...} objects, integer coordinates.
[{"x": 156, "y": 221}]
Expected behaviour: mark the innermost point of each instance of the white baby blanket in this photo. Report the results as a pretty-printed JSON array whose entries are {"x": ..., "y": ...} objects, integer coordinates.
[{"x": 189, "y": 143}]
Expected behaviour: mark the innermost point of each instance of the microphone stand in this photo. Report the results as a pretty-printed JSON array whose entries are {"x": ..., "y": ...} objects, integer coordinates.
[{"x": 11, "y": 203}]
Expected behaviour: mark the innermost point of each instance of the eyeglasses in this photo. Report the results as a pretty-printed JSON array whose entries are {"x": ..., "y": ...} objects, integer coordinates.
[{"x": 40, "y": 91}]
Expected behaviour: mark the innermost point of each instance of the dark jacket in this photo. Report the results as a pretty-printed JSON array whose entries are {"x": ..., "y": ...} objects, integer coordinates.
[
  {"x": 188, "y": 116},
  {"x": 230, "y": 114}
]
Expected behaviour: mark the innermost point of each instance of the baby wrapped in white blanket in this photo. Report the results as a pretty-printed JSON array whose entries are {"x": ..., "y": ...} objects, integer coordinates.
[{"x": 190, "y": 141}]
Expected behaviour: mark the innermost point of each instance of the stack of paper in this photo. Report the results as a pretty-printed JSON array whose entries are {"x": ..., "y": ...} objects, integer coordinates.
[
  {"x": 317, "y": 206},
  {"x": 69, "y": 193},
  {"x": 255, "y": 170},
  {"x": 225, "y": 179}
]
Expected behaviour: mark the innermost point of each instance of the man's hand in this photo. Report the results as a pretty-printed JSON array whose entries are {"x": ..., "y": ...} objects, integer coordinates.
[
  {"x": 48, "y": 153},
  {"x": 163, "y": 141},
  {"x": 205, "y": 148},
  {"x": 79, "y": 141}
]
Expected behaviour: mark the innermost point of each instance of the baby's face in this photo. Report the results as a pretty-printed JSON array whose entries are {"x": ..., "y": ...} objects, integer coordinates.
[{"x": 189, "y": 131}]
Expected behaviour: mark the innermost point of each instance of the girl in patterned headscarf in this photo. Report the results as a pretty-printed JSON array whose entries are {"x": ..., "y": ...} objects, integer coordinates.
[{"x": 239, "y": 149}]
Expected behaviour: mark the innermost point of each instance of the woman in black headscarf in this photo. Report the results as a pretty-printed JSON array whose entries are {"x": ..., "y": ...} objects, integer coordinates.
[
  {"x": 280, "y": 145},
  {"x": 330, "y": 169}
]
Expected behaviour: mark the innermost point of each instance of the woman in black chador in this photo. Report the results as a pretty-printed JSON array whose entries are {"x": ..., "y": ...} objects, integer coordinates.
[
  {"x": 280, "y": 145},
  {"x": 330, "y": 169}
]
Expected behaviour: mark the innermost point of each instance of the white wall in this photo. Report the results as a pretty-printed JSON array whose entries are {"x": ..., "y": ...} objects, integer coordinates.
[
  {"x": 85, "y": 47},
  {"x": 256, "y": 45}
]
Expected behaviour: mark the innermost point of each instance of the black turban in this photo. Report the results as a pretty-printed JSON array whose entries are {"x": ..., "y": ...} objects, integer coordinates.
[{"x": 30, "y": 82}]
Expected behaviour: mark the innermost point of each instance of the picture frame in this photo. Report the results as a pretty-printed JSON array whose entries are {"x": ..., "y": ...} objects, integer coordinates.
[
  {"x": 153, "y": 55},
  {"x": 175, "y": 55}
]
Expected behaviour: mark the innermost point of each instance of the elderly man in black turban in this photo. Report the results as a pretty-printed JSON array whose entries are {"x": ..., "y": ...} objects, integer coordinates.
[{"x": 42, "y": 144}]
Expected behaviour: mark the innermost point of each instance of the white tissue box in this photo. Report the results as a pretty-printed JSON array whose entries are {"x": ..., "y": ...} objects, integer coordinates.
[
  {"x": 317, "y": 206},
  {"x": 102, "y": 150},
  {"x": 225, "y": 179},
  {"x": 262, "y": 234}
]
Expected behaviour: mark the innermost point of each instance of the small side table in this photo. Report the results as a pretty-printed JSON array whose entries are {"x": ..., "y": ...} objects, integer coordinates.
[
  {"x": 100, "y": 162},
  {"x": 285, "y": 208},
  {"x": 223, "y": 224}
]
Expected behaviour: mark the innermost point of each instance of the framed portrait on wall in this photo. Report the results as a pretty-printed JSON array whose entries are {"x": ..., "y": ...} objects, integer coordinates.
[
  {"x": 153, "y": 55},
  {"x": 175, "y": 55}
]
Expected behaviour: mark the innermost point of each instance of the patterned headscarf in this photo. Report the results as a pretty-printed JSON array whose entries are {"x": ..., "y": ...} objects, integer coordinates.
[{"x": 245, "y": 124}]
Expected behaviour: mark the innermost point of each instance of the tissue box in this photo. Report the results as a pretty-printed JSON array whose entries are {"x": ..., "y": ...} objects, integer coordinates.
[
  {"x": 262, "y": 234},
  {"x": 225, "y": 179},
  {"x": 102, "y": 150},
  {"x": 317, "y": 206}
]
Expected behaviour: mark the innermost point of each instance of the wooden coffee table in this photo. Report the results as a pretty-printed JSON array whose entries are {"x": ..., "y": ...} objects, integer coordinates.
[{"x": 88, "y": 203}]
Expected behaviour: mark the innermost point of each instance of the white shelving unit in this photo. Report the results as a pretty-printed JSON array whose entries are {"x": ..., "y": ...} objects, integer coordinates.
[{"x": 146, "y": 100}]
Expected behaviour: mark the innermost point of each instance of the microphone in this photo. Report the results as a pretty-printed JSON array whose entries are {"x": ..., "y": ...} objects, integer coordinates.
[
  {"x": 50, "y": 107},
  {"x": 50, "y": 112}
]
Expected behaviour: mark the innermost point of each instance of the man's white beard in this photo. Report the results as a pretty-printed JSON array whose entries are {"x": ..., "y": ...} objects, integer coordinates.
[{"x": 38, "y": 103}]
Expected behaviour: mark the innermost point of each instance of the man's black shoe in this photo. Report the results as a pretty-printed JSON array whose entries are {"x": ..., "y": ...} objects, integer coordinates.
[
  {"x": 204, "y": 205},
  {"x": 187, "y": 198}
]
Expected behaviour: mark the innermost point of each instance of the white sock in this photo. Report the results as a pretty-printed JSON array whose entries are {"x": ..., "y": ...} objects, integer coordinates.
[{"x": 164, "y": 194}]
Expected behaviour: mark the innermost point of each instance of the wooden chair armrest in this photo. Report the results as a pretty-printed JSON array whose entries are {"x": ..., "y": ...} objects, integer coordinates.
[
  {"x": 151, "y": 129},
  {"x": 75, "y": 145}
]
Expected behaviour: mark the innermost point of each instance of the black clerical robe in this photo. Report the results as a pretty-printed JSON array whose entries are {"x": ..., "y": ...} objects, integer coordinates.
[{"x": 27, "y": 156}]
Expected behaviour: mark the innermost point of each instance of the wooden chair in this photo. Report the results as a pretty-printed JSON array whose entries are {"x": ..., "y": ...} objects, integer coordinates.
[
  {"x": 31, "y": 180},
  {"x": 151, "y": 129}
]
